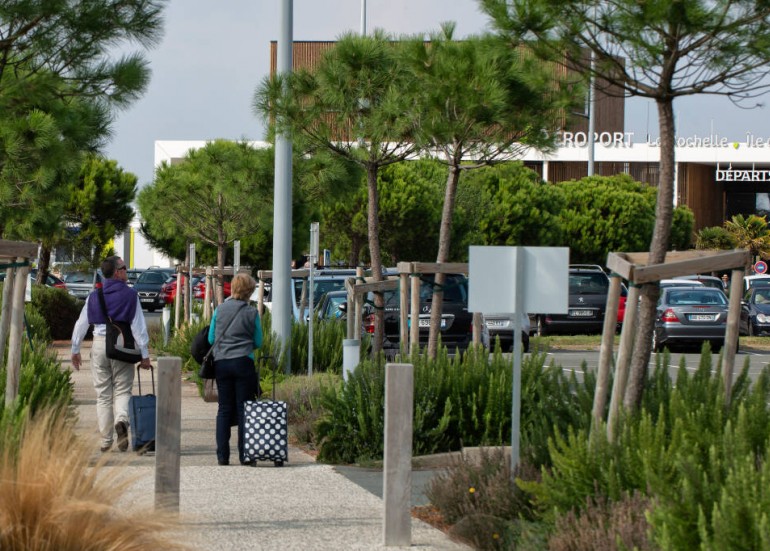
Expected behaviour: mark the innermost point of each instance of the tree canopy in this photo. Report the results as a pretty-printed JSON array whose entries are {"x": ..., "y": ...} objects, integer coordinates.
[{"x": 655, "y": 49}]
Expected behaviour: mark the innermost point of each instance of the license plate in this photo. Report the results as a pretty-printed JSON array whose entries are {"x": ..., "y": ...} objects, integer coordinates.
[
  {"x": 581, "y": 313},
  {"x": 702, "y": 317},
  {"x": 146, "y": 300},
  {"x": 496, "y": 323},
  {"x": 426, "y": 323}
]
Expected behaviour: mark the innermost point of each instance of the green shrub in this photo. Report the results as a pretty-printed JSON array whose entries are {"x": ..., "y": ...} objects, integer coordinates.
[
  {"x": 59, "y": 308},
  {"x": 687, "y": 450},
  {"x": 36, "y": 325},
  {"x": 459, "y": 401},
  {"x": 301, "y": 393},
  {"x": 42, "y": 383}
]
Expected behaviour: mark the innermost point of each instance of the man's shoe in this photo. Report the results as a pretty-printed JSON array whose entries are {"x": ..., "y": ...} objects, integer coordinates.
[
  {"x": 122, "y": 430},
  {"x": 105, "y": 449}
]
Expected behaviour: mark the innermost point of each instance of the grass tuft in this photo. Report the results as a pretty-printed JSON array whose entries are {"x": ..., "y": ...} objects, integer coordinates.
[{"x": 52, "y": 500}]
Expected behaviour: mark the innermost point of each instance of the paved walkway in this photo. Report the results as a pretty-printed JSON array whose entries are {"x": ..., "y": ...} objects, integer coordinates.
[{"x": 303, "y": 505}]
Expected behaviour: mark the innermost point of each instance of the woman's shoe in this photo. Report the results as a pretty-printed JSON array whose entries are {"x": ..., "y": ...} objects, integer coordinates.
[{"x": 223, "y": 462}]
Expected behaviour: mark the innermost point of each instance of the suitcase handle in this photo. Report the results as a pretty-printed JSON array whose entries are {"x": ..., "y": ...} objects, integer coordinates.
[
  {"x": 139, "y": 378},
  {"x": 262, "y": 359}
]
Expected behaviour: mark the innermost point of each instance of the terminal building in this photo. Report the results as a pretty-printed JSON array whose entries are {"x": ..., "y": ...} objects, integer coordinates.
[{"x": 716, "y": 176}]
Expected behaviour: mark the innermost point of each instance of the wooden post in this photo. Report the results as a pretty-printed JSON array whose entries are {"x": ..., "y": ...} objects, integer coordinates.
[
  {"x": 358, "y": 306},
  {"x": 207, "y": 313},
  {"x": 397, "y": 466},
  {"x": 731, "y": 333},
  {"x": 414, "y": 314},
  {"x": 168, "y": 432},
  {"x": 16, "y": 334},
  {"x": 606, "y": 350},
  {"x": 403, "y": 314},
  {"x": 350, "y": 308},
  {"x": 5, "y": 314},
  {"x": 627, "y": 335},
  {"x": 261, "y": 297},
  {"x": 477, "y": 328}
]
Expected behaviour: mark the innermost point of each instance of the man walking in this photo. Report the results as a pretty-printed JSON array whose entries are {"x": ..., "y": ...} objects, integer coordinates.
[{"x": 113, "y": 379}]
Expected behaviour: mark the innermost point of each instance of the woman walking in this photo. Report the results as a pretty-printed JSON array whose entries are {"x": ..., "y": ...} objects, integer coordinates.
[{"x": 235, "y": 333}]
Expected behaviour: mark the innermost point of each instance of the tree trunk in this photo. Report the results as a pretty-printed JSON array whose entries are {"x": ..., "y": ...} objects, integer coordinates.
[
  {"x": 664, "y": 213},
  {"x": 373, "y": 223},
  {"x": 444, "y": 242},
  {"x": 44, "y": 266}
]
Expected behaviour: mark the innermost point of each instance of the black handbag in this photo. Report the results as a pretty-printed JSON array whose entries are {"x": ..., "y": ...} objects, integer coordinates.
[
  {"x": 207, "y": 370},
  {"x": 119, "y": 340}
]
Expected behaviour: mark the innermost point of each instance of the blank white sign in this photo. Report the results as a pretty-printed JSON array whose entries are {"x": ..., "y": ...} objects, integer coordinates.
[{"x": 492, "y": 274}]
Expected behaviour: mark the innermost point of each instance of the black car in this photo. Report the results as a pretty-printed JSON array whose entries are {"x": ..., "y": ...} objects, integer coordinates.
[
  {"x": 456, "y": 320},
  {"x": 755, "y": 312},
  {"x": 588, "y": 290},
  {"x": 148, "y": 287}
]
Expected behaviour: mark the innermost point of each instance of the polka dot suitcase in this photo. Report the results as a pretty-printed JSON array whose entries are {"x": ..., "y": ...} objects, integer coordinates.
[{"x": 266, "y": 429}]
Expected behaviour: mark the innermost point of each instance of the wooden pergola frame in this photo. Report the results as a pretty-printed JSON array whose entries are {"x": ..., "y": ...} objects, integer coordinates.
[
  {"x": 634, "y": 268},
  {"x": 15, "y": 256}
]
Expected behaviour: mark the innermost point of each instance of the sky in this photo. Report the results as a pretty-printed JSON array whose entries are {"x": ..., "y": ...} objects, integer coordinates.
[{"x": 215, "y": 54}]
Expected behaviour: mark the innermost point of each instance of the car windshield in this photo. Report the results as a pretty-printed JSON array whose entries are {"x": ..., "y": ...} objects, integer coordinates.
[
  {"x": 152, "y": 278},
  {"x": 588, "y": 284},
  {"x": 692, "y": 297},
  {"x": 320, "y": 288},
  {"x": 762, "y": 296}
]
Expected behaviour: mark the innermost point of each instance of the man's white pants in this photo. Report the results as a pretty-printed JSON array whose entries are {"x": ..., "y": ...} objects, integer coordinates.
[{"x": 113, "y": 381}]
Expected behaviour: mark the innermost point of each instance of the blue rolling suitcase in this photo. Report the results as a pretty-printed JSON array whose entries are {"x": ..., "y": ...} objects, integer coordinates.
[
  {"x": 141, "y": 414},
  {"x": 266, "y": 428}
]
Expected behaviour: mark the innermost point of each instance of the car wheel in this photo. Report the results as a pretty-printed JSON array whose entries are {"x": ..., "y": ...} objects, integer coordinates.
[
  {"x": 524, "y": 341},
  {"x": 542, "y": 328},
  {"x": 752, "y": 331}
]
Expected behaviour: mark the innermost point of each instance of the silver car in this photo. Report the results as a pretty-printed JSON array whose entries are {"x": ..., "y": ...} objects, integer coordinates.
[
  {"x": 690, "y": 315},
  {"x": 501, "y": 326}
]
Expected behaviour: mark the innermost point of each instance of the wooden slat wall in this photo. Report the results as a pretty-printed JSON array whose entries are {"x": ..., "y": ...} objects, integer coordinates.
[{"x": 699, "y": 190}]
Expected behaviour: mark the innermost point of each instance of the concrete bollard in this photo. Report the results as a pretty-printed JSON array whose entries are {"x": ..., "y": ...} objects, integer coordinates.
[
  {"x": 166, "y": 323},
  {"x": 168, "y": 433},
  {"x": 351, "y": 354},
  {"x": 397, "y": 468}
]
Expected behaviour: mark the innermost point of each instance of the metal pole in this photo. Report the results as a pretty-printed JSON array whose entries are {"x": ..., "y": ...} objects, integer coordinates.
[
  {"x": 363, "y": 17},
  {"x": 281, "y": 310},
  {"x": 311, "y": 292},
  {"x": 517, "y": 352},
  {"x": 591, "y": 118}
]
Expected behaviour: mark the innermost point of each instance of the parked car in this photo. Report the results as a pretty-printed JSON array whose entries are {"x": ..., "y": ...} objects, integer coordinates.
[
  {"x": 707, "y": 280},
  {"x": 50, "y": 281},
  {"x": 690, "y": 315},
  {"x": 755, "y": 280},
  {"x": 755, "y": 312},
  {"x": 199, "y": 288},
  {"x": 456, "y": 320},
  {"x": 501, "y": 326},
  {"x": 622, "y": 305},
  {"x": 148, "y": 287},
  {"x": 665, "y": 283},
  {"x": 324, "y": 280},
  {"x": 133, "y": 274},
  {"x": 80, "y": 284},
  {"x": 333, "y": 305},
  {"x": 588, "y": 290}
]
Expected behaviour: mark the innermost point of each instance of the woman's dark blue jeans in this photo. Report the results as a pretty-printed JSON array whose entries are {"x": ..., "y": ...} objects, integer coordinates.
[{"x": 236, "y": 383}]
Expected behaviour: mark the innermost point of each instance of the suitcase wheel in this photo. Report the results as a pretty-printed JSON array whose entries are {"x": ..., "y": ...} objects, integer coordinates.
[{"x": 278, "y": 462}]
